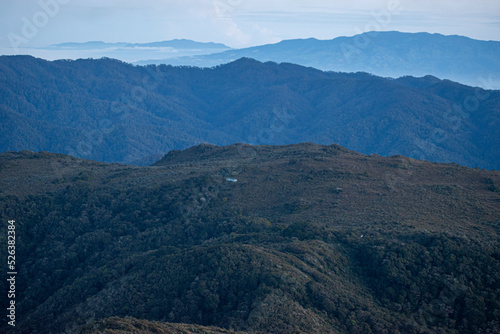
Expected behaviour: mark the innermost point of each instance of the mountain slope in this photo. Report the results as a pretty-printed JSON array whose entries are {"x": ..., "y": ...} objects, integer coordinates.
[
  {"x": 128, "y": 325},
  {"x": 389, "y": 54},
  {"x": 310, "y": 239},
  {"x": 110, "y": 111}
]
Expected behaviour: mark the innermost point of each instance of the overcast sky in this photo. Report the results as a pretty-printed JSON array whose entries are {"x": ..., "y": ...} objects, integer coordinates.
[{"x": 236, "y": 23}]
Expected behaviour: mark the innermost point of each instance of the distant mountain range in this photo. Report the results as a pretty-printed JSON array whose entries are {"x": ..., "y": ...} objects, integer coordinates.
[
  {"x": 176, "y": 43},
  {"x": 110, "y": 111},
  {"x": 388, "y": 54},
  {"x": 129, "y": 52}
]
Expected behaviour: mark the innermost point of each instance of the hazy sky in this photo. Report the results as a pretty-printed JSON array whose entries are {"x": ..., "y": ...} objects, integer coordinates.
[{"x": 237, "y": 23}]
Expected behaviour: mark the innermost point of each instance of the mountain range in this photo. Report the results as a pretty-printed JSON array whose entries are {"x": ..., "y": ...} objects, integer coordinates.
[
  {"x": 129, "y": 52},
  {"x": 383, "y": 53},
  {"x": 300, "y": 238},
  {"x": 175, "y": 44},
  {"x": 350, "y": 203},
  {"x": 110, "y": 111},
  {"x": 388, "y": 54}
]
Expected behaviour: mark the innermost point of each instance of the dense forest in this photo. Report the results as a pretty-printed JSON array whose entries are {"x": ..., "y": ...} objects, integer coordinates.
[
  {"x": 259, "y": 239},
  {"x": 110, "y": 111}
]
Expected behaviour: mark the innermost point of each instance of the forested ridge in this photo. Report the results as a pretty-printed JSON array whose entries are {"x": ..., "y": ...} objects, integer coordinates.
[
  {"x": 309, "y": 239},
  {"x": 107, "y": 110}
]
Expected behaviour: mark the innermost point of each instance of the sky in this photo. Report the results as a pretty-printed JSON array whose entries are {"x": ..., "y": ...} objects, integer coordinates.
[{"x": 237, "y": 23}]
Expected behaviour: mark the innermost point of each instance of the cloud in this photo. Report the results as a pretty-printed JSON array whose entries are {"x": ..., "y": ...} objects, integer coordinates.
[{"x": 234, "y": 35}]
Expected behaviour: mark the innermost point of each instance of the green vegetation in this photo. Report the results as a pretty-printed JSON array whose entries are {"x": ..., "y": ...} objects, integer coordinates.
[
  {"x": 311, "y": 239},
  {"x": 130, "y": 325},
  {"x": 107, "y": 110}
]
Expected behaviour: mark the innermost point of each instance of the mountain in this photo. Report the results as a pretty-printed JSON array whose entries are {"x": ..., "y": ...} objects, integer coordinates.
[
  {"x": 388, "y": 54},
  {"x": 129, "y": 52},
  {"x": 111, "y": 111},
  {"x": 300, "y": 238},
  {"x": 176, "y": 43}
]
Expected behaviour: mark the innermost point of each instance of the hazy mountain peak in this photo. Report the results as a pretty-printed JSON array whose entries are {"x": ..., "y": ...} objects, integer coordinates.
[
  {"x": 386, "y": 53},
  {"x": 176, "y": 43}
]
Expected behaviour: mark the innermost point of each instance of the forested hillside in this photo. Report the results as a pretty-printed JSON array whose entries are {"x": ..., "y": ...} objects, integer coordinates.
[
  {"x": 110, "y": 111},
  {"x": 260, "y": 239}
]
